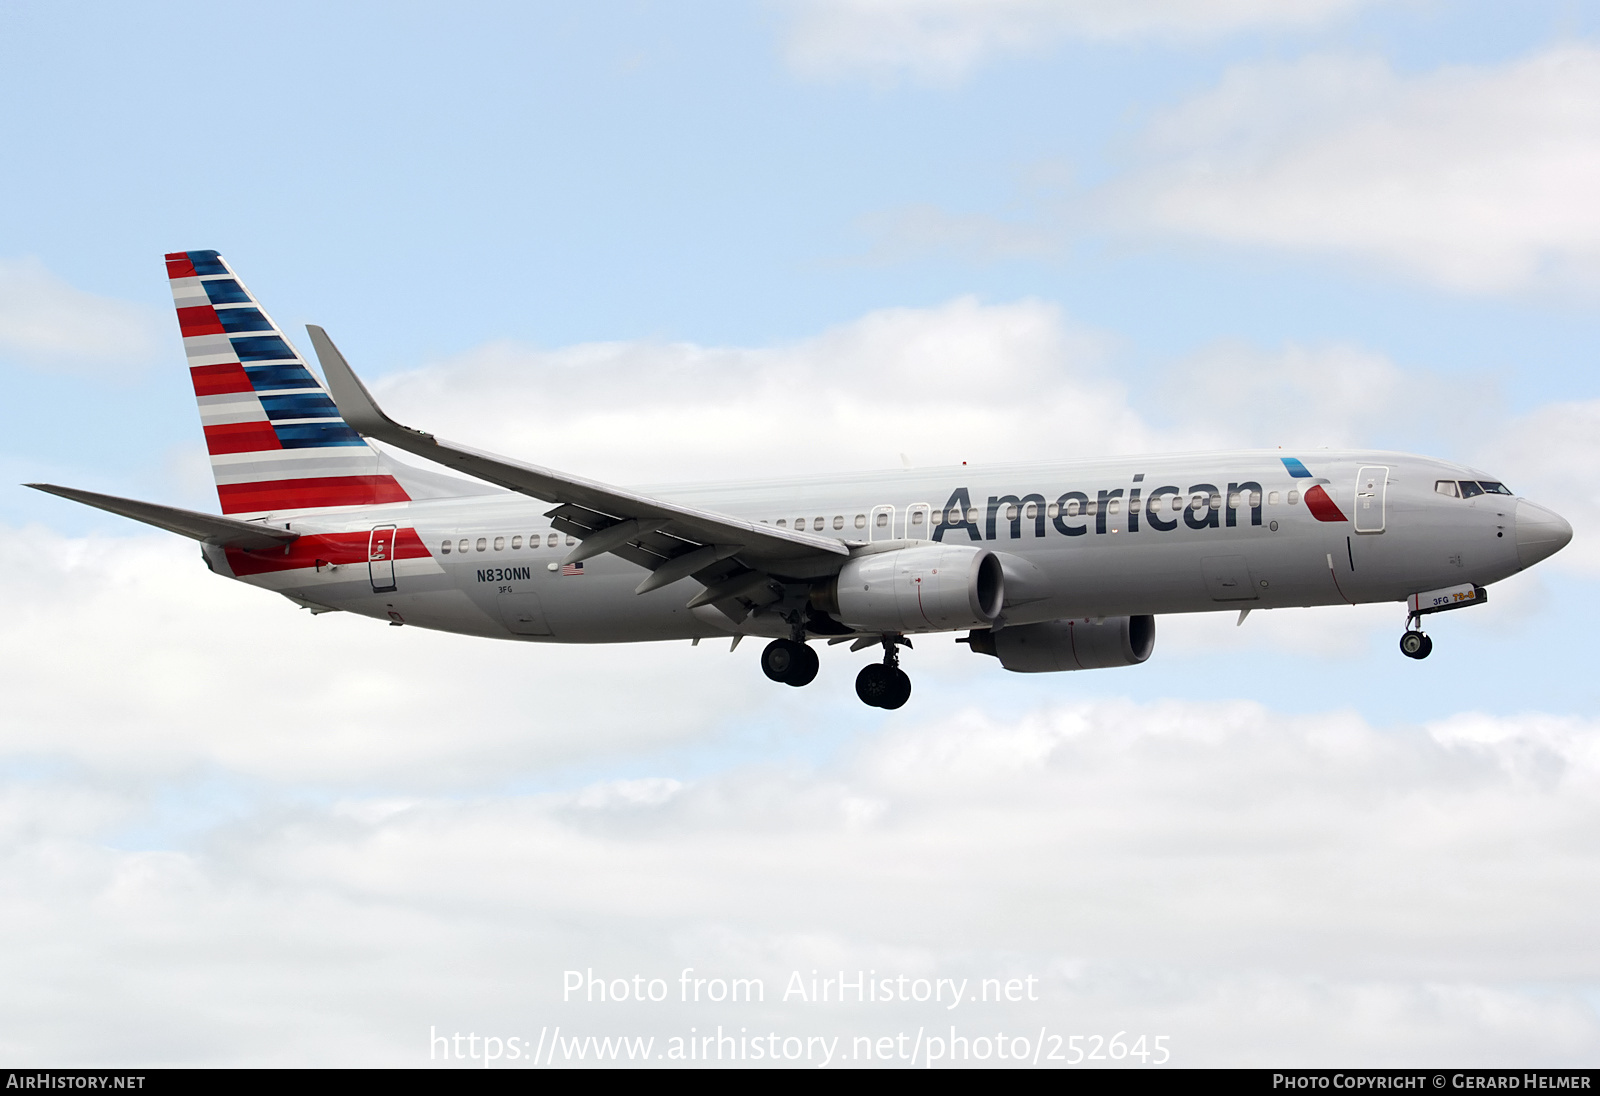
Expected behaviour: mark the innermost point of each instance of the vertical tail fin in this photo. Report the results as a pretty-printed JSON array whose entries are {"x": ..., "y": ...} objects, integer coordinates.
[{"x": 276, "y": 439}]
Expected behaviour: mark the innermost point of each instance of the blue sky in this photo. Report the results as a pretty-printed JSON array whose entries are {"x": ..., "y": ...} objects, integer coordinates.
[{"x": 647, "y": 241}]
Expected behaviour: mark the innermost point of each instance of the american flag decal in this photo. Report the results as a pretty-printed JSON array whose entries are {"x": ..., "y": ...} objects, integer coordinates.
[{"x": 572, "y": 568}]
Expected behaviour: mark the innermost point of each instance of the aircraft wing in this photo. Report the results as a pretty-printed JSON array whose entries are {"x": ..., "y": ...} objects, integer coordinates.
[
  {"x": 732, "y": 557},
  {"x": 209, "y": 528}
]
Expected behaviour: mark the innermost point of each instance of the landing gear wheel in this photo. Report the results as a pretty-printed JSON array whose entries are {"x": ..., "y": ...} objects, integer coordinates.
[
  {"x": 875, "y": 684},
  {"x": 901, "y": 689},
  {"x": 883, "y": 686},
  {"x": 789, "y": 662},
  {"x": 1416, "y": 645}
]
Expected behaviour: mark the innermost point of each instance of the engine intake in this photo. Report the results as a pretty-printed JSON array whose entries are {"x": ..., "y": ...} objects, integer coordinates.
[
  {"x": 1059, "y": 645},
  {"x": 933, "y": 588}
]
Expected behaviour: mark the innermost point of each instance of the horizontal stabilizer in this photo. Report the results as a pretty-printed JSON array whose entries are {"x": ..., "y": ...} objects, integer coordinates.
[{"x": 211, "y": 529}]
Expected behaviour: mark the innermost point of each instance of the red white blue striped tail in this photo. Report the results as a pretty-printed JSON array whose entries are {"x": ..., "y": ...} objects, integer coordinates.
[{"x": 276, "y": 439}]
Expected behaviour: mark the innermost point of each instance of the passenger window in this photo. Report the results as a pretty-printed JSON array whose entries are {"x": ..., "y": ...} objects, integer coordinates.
[
  {"x": 552, "y": 540},
  {"x": 1294, "y": 497},
  {"x": 444, "y": 549},
  {"x": 1053, "y": 511},
  {"x": 1272, "y": 498},
  {"x": 916, "y": 517},
  {"x": 1469, "y": 489},
  {"x": 972, "y": 516},
  {"x": 783, "y": 523},
  {"x": 483, "y": 544},
  {"x": 1073, "y": 508},
  {"x": 1114, "y": 506},
  {"x": 462, "y": 546},
  {"x": 1011, "y": 513},
  {"x": 1089, "y": 508},
  {"x": 499, "y": 544},
  {"x": 571, "y": 541},
  {"x": 861, "y": 521},
  {"x": 516, "y": 542},
  {"x": 800, "y": 523},
  {"x": 1447, "y": 487},
  {"x": 883, "y": 521},
  {"x": 1255, "y": 499},
  {"x": 838, "y": 521},
  {"x": 1032, "y": 512}
]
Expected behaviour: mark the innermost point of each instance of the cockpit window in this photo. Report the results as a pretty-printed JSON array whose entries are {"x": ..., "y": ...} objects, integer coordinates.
[
  {"x": 1469, "y": 489},
  {"x": 1494, "y": 488},
  {"x": 1447, "y": 487}
]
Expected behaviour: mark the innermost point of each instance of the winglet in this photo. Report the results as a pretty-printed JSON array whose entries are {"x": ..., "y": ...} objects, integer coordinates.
[{"x": 355, "y": 403}]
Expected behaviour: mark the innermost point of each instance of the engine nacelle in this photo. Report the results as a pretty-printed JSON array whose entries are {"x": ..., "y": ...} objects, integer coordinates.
[
  {"x": 1069, "y": 644},
  {"x": 933, "y": 588}
]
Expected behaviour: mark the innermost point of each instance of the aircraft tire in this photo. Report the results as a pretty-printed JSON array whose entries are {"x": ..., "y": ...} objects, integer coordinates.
[
  {"x": 781, "y": 657},
  {"x": 804, "y": 669},
  {"x": 901, "y": 689},
  {"x": 1415, "y": 645},
  {"x": 874, "y": 685}
]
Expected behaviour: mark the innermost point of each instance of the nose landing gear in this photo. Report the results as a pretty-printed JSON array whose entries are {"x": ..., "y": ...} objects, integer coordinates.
[
  {"x": 789, "y": 661},
  {"x": 884, "y": 684}
]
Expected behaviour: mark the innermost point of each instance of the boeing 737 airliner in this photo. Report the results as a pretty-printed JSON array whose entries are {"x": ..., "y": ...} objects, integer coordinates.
[{"x": 1055, "y": 566}]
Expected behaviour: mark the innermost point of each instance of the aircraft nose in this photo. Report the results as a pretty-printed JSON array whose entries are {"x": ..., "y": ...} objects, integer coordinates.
[{"x": 1541, "y": 533}]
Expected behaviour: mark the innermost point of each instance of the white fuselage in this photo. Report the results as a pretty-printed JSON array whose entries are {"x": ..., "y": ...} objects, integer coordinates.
[{"x": 1075, "y": 539}]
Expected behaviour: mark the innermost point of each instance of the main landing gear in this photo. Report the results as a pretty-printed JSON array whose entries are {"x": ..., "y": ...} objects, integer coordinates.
[
  {"x": 882, "y": 684},
  {"x": 790, "y": 662},
  {"x": 885, "y": 684},
  {"x": 1415, "y": 644}
]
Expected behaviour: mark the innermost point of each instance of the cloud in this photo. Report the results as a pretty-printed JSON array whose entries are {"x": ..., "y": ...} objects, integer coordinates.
[
  {"x": 47, "y": 324},
  {"x": 1259, "y": 888},
  {"x": 1475, "y": 179},
  {"x": 944, "y": 40},
  {"x": 960, "y": 381}
]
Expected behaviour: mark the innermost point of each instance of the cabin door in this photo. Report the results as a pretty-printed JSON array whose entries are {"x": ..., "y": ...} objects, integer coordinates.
[{"x": 1372, "y": 485}]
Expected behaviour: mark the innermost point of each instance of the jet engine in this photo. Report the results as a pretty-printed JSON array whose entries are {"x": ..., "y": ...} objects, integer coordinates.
[
  {"x": 930, "y": 588},
  {"x": 1069, "y": 644}
]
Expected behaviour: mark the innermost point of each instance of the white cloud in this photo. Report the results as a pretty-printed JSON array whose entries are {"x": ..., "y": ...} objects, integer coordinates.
[
  {"x": 961, "y": 381},
  {"x": 46, "y": 323},
  {"x": 1260, "y": 888},
  {"x": 945, "y": 39},
  {"x": 1479, "y": 180}
]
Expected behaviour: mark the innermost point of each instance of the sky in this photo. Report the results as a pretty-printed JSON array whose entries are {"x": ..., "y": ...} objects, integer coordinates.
[{"x": 656, "y": 243}]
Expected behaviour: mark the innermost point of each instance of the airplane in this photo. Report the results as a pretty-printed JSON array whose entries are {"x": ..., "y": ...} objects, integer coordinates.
[{"x": 1046, "y": 567}]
